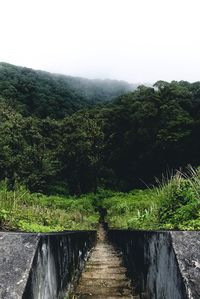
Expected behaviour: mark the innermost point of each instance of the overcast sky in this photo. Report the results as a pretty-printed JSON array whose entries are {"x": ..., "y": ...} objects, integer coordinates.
[{"x": 132, "y": 40}]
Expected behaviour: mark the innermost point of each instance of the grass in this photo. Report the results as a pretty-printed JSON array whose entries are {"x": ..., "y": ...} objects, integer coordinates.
[
  {"x": 179, "y": 201},
  {"x": 21, "y": 210},
  {"x": 174, "y": 204},
  {"x": 136, "y": 209}
]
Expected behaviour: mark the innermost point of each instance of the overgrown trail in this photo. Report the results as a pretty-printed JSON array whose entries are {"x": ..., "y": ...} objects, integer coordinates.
[{"x": 104, "y": 276}]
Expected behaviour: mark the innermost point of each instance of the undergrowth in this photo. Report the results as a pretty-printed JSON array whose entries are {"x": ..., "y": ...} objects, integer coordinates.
[
  {"x": 25, "y": 211},
  {"x": 173, "y": 204}
]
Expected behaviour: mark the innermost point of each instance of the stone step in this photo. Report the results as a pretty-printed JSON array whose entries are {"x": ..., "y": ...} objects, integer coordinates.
[
  {"x": 104, "y": 276},
  {"x": 105, "y": 260},
  {"x": 105, "y": 254},
  {"x": 112, "y": 291},
  {"x": 85, "y": 296},
  {"x": 110, "y": 249},
  {"x": 104, "y": 257},
  {"x": 103, "y": 266},
  {"x": 108, "y": 270},
  {"x": 109, "y": 263},
  {"x": 104, "y": 247},
  {"x": 107, "y": 283}
]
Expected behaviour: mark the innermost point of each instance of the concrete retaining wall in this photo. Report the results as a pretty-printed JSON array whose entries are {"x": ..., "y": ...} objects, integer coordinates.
[
  {"x": 16, "y": 256},
  {"x": 161, "y": 264},
  {"x": 57, "y": 264},
  {"x": 42, "y": 266}
]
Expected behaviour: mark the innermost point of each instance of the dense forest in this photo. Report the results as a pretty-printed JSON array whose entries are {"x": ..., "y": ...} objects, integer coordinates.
[
  {"x": 41, "y": 94},
  {"x": 69, "y": 146},
  {"x": 52, "y": 141}
]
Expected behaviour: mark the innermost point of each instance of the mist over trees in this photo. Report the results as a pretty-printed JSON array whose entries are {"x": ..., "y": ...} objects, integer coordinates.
[
  {"x": 57, "y": 139},
  {"x": 43, "y": 94}
]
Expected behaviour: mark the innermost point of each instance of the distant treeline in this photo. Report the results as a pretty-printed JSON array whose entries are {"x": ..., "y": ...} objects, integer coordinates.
[
  {"x": 41, "y": 94},
  {"x": 118, "y": 145}
]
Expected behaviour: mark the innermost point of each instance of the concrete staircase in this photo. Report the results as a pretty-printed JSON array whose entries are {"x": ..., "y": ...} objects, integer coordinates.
[{"x": 104, "y": 276}]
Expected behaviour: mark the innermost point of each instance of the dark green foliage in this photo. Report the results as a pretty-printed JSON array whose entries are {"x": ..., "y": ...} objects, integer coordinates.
[
  {"x": 33, "y": 212},
  {"x": 179, "y": 202},
  {"x": 55, "y": 140},
  {"x": 174, "y": 204},
  {"x": 151, "y": 130},
  {"x": 43, "y": 94},
  {"x": 49, "y": 147},
  {"x": 26, "y": 153},
  {"x": 81, "y": 153}
]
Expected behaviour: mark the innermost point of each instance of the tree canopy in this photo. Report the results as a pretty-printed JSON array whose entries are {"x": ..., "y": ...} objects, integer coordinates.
[
  {"x": 41, "y": 94},
  {"x": 119, "y": 144}
]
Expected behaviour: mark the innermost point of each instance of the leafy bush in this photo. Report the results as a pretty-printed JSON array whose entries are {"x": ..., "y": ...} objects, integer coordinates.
[
  {"x": 134, "y": 210},
  {"x": 174, "y": 204},
  {"x": 22, "y": 210},
  {"x": 179, "y": 202}
]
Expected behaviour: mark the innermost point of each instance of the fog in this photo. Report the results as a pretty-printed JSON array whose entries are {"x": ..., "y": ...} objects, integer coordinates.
[{"x": 132, "y": 40}]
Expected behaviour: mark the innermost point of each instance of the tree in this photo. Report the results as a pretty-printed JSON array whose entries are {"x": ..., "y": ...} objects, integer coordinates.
[{"x": 82, "y": 152}]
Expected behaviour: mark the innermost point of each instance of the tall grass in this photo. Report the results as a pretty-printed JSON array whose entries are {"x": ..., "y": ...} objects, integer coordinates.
[
  {"x": 21, "y": 210},
  {"x": 173, "y": 204},
  {"x": 135, "y": 210},
  {"x": 179, "y": 201}
]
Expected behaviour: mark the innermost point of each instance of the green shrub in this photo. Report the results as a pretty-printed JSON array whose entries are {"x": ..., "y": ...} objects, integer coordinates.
[
  {"x": 22, "y": 210},
  {"x": 178, "y": 202}
]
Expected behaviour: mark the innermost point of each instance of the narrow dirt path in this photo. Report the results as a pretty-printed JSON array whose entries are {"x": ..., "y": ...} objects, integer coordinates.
[{"x": 104, "y": 276}]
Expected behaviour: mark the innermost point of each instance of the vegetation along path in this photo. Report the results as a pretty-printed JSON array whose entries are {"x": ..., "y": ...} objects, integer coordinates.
[{"x": 104, "y": 276}]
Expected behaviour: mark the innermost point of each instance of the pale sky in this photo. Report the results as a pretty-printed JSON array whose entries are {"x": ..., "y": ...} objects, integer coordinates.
[{"x": 132, "y": 40}]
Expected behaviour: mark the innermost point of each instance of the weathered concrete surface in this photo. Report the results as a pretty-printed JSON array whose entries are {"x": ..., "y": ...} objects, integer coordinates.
[
  {"x": 41, "y": 266},
  {"x": 151, "y": 260},
  {"x": 57, "y": 264},
  {"x": 161, "y": 265},
  {"x": 16, "y": 255},
  {"x": 104, "y": 276},
  {"x": 186, "y": 246},
  {"x": 163, "y": 277}
]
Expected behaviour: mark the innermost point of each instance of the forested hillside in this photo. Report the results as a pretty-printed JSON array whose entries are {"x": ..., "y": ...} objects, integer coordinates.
[
  {"x": 120, "y": 145},
  {"x": 42, "y": 94}
]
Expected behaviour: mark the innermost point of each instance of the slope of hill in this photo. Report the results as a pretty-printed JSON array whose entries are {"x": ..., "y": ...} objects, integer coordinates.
[{"x": 44, "y": 94}]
